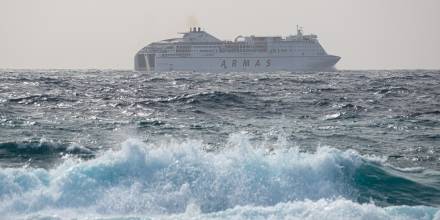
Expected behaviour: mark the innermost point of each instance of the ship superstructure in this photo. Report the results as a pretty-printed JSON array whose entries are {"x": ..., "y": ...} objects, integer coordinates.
[{"x": 199, "y": 51}]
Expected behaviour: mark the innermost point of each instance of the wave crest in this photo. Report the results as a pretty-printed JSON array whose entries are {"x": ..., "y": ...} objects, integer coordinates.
[{"x": 169, "y": 177}]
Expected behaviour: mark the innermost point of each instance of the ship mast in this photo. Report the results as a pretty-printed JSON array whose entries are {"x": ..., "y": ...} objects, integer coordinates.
[{"x": 299, "y": 31}]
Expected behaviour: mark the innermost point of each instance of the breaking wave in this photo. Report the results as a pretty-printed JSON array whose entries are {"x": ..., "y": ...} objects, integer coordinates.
[{"x": 181, "y": 180}]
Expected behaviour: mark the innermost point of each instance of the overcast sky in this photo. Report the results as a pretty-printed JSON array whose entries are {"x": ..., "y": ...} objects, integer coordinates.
[{"x": 367, "y": 34}]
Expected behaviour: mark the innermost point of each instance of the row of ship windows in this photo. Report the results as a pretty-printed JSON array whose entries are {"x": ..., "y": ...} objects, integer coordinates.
[
  {"x": 237, "y": 46},
  {"x": 188, "y": 47},
  {"x": 189, "y": 54},
  {"x": 235, "y": 49},
  {"x": 239, "y": 50}
]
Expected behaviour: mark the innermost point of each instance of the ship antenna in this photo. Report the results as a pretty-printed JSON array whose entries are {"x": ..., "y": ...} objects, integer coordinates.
[{"x": 299, "y": 30}]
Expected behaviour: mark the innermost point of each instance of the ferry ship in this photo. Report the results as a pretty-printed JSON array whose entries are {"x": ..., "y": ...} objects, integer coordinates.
[{"x": 199, "y": 51}]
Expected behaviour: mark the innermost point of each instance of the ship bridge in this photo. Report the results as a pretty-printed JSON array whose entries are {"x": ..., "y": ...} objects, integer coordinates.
[{"x": 197, "y": 35}]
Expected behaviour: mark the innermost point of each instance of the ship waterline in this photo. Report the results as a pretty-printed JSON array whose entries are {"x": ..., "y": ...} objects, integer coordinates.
[{"x": 199, "y": 51}]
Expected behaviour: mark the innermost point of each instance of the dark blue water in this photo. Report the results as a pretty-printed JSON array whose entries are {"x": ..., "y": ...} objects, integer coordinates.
[{"x": 309, "y": 145}]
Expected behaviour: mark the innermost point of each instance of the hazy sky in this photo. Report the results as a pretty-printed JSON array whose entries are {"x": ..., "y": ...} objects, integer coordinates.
[{"x": 368, "y": 34}]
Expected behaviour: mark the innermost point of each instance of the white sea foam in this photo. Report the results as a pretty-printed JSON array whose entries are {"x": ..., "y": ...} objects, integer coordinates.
[
  {"x": 173, "y": 179},
  {"x": 338, "y": 209}
]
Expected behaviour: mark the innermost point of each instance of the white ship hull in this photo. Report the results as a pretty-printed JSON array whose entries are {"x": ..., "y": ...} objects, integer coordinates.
[{"x": 240, "y": 64}]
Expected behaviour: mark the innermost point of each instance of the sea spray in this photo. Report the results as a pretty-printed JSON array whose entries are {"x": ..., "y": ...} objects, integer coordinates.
[
  {"x": 157, "y": 178},
  {"x": 179, "y": 179}
]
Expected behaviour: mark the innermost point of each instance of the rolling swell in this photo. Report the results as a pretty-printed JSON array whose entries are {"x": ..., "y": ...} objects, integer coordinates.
[
  {"x": 170, "y": 177},
  {"x": 388, "y": 186},
  {"x": 214, "y": 99},
  {"x": 37, "y": 99},
  {"x": 40, "y": 147},
  {"x": 40, "y": 153}
]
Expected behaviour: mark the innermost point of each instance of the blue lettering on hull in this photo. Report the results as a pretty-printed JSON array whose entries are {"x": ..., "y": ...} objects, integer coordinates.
[{"x": 245, "y": 63}]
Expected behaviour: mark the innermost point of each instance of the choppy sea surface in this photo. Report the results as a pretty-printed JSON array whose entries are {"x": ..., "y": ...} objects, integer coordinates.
[{"x": 111, "y": 144}]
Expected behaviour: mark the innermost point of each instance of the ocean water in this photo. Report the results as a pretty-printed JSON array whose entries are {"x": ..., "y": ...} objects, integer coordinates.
[{"x": 111, "y": 144}]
